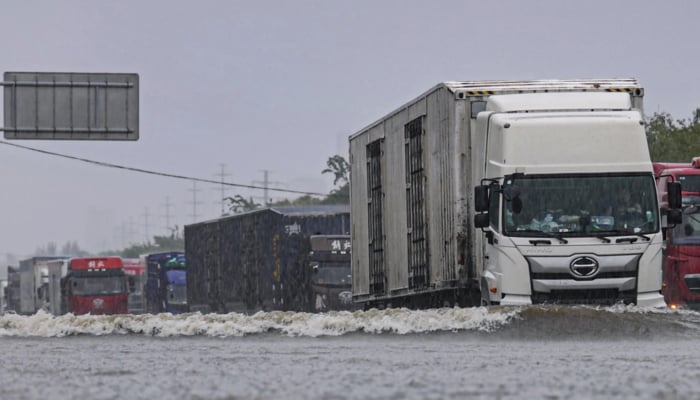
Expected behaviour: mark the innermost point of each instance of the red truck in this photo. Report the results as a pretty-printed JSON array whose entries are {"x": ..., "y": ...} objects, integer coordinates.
[
  {"x": 94, "y": 285},
  {"x": 681, "y": 262}
]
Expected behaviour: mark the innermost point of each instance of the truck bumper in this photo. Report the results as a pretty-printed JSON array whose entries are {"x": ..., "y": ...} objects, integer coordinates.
[
  {"x": 516, "y": 300},
  {"x": 651, "y": 299}
]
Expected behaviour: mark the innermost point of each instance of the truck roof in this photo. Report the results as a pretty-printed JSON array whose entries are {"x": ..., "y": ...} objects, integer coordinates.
[
  {"x": 562, "y": 101},
  {"x": 296, "y": 211},
  {"x": 467, "y": 89},
  {"x": 475, "y": 88},
  {"x": 693, "y": 167}
]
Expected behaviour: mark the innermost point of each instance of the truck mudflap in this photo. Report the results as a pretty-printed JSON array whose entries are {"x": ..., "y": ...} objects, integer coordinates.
[{"x": 651, "y": 299}]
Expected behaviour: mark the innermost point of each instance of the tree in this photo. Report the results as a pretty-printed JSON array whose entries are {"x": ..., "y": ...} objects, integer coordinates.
[
  {"x": 160, "y": 244},
  {"x": 339, "y": 167},
  {"x": 239, "y": 204},
  {"x": 673, "y": 141},
  {"x": 70, "y": 248}
]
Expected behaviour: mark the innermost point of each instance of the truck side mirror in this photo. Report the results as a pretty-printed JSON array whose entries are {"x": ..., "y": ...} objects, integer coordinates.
[
  {"x": 674, "y": 197},
  {"x": 481, "y": 220},
  {"x": 481, "y": 198},
  {"x": 674, "y": 216}
]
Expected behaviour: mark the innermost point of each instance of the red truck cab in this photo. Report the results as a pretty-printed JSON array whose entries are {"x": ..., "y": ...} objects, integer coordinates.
[
  {"x": 681, "y": 262},
  {"x": 96, "y": 285}
]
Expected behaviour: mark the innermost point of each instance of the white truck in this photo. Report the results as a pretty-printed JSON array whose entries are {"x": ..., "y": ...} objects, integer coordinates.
[
  {"x": 507, "y": 192},
  {"x": 33, "y": 285}
]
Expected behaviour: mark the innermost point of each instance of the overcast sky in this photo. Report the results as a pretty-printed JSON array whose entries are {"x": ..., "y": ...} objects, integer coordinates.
[{"x": 241, "y": 87}]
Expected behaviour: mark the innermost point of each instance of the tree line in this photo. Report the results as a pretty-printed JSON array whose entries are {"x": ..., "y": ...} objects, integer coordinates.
[{"x": 673, "y": 140}]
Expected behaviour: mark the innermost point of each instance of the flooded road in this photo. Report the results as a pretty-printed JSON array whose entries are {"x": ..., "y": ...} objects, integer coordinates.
[{"x": 535, "y": 352}]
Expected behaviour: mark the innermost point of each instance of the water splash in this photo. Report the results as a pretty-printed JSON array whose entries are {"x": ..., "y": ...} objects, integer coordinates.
[
  {"x": 522, "y": 322},
  {"x": 393, "y": 321}
]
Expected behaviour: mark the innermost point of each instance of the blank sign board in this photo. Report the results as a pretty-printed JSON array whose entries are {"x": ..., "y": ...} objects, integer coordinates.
[{"x": 71, "y": 106}]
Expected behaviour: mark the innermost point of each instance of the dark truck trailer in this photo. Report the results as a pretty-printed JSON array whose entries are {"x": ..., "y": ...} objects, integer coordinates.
[{"x": 258, "y": 260}]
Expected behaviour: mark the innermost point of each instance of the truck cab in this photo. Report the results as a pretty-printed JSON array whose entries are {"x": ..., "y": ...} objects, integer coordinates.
[
  {"x": 166, "y": 283},
  {"x": 573, "y": 218},
  {"x": 331, "y": 279},
  {"x": 94, "y": 285},
  {"x": 681, "y": 263}
]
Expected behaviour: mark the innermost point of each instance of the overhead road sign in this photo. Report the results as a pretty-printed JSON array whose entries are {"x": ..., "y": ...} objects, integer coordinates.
[{"x": 71, "y": 106}]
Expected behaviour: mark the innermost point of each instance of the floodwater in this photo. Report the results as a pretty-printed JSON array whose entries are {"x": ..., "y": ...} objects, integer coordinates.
[{"x": 619, "y": 352}]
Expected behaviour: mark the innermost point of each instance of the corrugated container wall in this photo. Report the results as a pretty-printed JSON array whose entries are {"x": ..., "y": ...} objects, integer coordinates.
[
  {"x": 257, "y": 260},
  {"x": 409, "y": 160}
]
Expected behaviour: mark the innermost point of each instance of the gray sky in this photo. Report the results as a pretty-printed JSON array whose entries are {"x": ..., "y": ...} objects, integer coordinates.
[{"x": 279, "y": 85}]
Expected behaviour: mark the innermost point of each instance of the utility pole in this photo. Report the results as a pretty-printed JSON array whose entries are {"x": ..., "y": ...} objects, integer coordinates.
[
  {"x": 222, "y": 175},
  {"x": 194, "y": 201}
]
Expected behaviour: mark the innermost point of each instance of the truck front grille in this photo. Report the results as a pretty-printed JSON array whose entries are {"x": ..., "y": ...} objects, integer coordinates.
[{"x": 589, "y": 296}]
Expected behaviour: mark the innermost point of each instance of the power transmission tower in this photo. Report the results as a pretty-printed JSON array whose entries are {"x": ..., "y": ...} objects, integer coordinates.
[
  {"x": 123, "y": 234},
  {"x": 146, "y": 225},
  {"x": 222, "y": 195},
  {"x": 265, "y": 184},
  {"x": 132, "y": 232},
  {"x": 194, "y": 201},
  {"x": 168, "y": 205}
]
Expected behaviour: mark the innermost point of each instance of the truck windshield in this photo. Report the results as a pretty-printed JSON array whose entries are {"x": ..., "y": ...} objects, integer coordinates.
[
  {"x": 690, "y": 183},
  {"x": 579, "y": 205},
  {"x": 687, "y": 233},
  {"x": 330, "y": 273},
  {"x": 98, "y": 285}
]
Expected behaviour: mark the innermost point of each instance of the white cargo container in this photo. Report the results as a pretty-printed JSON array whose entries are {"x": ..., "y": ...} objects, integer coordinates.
[
  {"x": 554, "y": 158},
  {"x": 34, "y": 284}
]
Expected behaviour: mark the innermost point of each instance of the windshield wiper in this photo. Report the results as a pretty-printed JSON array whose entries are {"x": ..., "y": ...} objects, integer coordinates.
[
  {"x": 534, "y": 232},
  {"x": 603, "y": 238},
  {"x": 603, "y": 235}
]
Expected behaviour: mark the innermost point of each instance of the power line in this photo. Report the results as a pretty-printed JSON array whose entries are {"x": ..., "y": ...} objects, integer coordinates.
[{"x": 145, "y": 171}]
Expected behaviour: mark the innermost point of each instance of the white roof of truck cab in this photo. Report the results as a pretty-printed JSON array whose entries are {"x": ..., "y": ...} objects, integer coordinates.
[
  {"x": 472, "y": 88},
  {"x": 532, "y": 102},
  {"x": 567, "y": 142}
]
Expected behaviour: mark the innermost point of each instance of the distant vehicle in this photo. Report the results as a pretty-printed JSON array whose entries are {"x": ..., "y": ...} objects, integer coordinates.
[
  {"x": 166, "y": 282},
  {"x": 504, "y": 192},
  {"x": 88, "y": 285},
  {"x": 262, "y": 261},
  {"x": 331, "y": 280},
  {"x": 34, "y": 284},
  {"x": 3, "y": 298},
  {"x": 135, "y": 270},
  {"x": 681, "y": 264},
  {"x": 12, "y": 290}
]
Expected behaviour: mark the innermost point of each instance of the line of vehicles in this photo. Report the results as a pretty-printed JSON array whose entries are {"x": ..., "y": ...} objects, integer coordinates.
[
  {"x": 473, "y": 193},
  {"x": 98, "y": 285}
]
